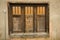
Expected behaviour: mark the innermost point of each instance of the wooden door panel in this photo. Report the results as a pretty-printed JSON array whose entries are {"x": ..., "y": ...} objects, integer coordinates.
[
  {"x": 29, "y": 19},
  {"x": 18, "y": 24}
]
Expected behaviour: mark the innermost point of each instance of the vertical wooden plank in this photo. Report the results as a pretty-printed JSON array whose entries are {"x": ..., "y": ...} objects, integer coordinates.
[
  {"x": 22, "y": 18},
  {"x": 31, "y": 11},
  {"x": 26, "y": 10},
  {"x": 40, "y": 10},
  {"x": 10, "y": 23},
  {"x": 43, "y": 10},
  {"x": 35, "y": 13},
  {"x": 13, "y": 10},
  {"x": 19, "y": 10},
  {"x": 47, "y": 19}
]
